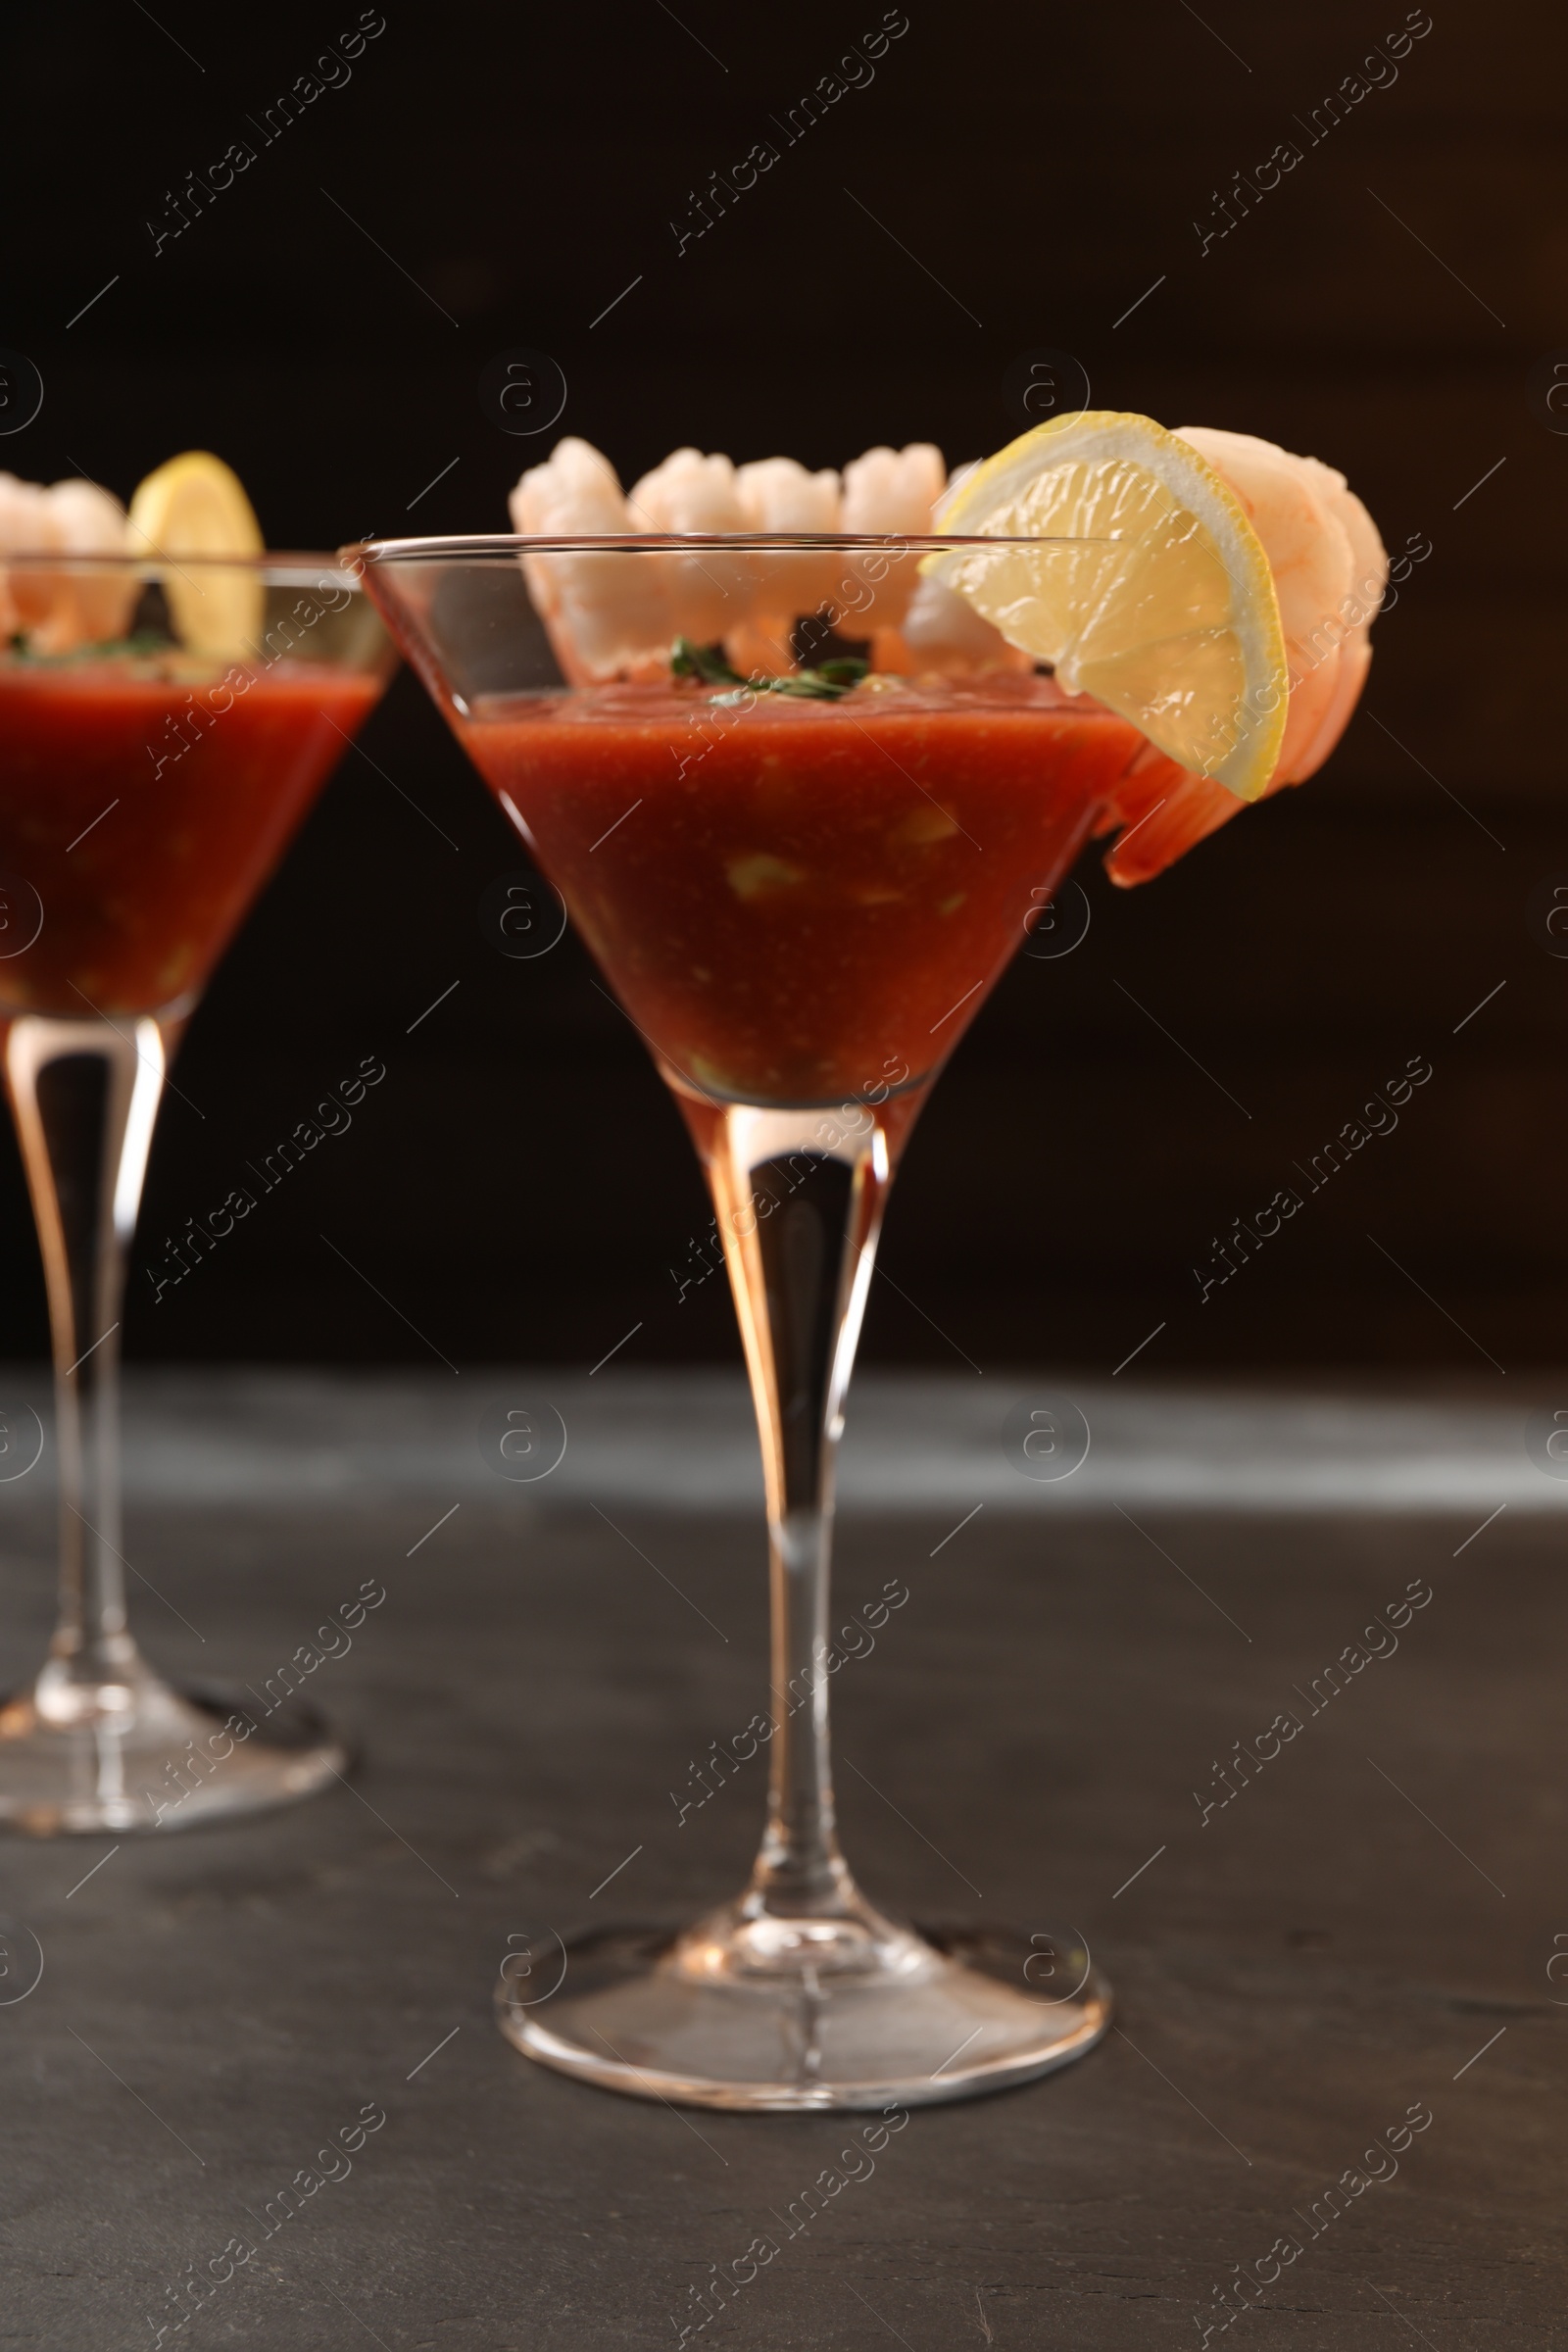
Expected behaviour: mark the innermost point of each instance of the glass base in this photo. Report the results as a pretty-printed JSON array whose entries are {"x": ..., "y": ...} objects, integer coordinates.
[
  {"x": 698, "y": 2020},
  {"x": 140, "y": 1754}
]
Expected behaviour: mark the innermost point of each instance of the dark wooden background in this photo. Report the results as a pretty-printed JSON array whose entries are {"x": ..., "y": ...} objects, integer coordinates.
[{"x": 518, "y": 1186}]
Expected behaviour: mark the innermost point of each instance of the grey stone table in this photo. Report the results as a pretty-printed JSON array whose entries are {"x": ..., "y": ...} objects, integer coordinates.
[{"x": 1364, "y": 1932}]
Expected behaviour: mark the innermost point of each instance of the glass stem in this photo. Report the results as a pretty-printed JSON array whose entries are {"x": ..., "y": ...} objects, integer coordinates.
[
  {"x": 85, "y": 1096},
  {"x": 799, "y": 1226}
]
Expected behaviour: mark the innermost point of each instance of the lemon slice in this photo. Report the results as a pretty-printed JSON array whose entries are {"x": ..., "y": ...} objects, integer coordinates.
[
  {"x": 193, "y": 507},
  {"x": 1168, "y": 615}
]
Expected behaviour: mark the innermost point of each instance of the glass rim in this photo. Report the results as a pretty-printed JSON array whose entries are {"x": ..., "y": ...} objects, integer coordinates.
[
  {"x": 285, "y": 567},
  {"x": 507, "y": 545}
]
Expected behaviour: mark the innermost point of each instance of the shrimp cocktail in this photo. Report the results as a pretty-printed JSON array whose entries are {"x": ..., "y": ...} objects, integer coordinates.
[
  {"x": 171, "y": 699},
  {"x": 807, "y": 756}
]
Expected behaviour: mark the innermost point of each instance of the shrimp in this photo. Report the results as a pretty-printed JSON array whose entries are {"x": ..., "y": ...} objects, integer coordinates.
[
  {"x": 778, "y": 495},
  {"x": 891, "y": 491},
  {"x": 1369, "y": 579},
  {"x": 606, "y": 615},
  {"x": 57, "y": 610},
  {"x": 708, "y": 594},
  {"x": 24, "y": 524},
  {"x": 1329, "y": 572},
  {"x": 93, "y": 607}
]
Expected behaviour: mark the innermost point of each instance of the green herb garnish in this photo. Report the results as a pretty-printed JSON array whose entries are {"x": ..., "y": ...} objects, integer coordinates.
[
  {"x": 824, "y": 684},
  {"x": 142, "y": 646}
]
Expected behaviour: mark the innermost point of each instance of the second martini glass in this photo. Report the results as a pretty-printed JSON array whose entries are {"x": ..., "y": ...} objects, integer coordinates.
[
  {"x": 147, "y": 789},
  {"x": 801, "y": 899}
]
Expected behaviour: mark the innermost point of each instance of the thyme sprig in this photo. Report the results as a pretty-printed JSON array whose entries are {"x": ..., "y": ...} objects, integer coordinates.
[{"x": 824, "y": 684}]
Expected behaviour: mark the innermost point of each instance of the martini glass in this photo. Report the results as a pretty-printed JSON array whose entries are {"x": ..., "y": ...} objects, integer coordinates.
[
  {"x": 800, "y": 904},
  {"x": 163, "y": 729}
]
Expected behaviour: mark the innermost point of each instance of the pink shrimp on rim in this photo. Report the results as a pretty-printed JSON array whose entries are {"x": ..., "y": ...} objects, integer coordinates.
[
  {"x": 611, "y": 620},
  {"x": 1330, "y": 571},
  {"x": 59, "y": 610}
]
